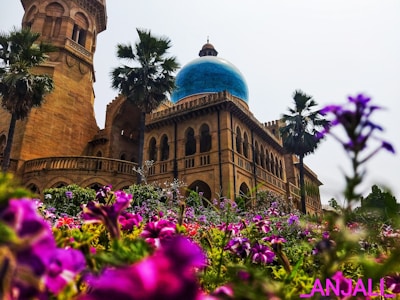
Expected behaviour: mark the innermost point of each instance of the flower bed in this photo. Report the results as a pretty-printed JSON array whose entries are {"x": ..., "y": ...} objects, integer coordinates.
[{"x": 152, "y": 243}]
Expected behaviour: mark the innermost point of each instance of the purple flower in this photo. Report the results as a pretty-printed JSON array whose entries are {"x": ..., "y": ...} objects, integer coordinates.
[
  {"x": 102, "y": 193},
  {"x": 157, "y": 232},
  {"x": 256, "y": 218},
  {"x": 293, "y": 219},
  {"x": 63, "y": 266},
  {"x": 393, "y": 283},
  {"x": 69, "y": 194},
  {"x": 167, "y": 274},
  {"x": 233, "y": 228},
  {"x": 203, "y": 219},
  {"x": 356, "y": 123},
  {"x": 36, "y": 252},
  {"x": 239, "y": 246},
  {"x": 261, "y": 254},
  {"x": 95, "y": 212},
  {"x": 223, "y": 292},
  {"x": 264, "y": 226},
  {"x": 276, "y": 242},
  {"x": 387, "y": 146},
  {"x": 129, "y": 220}
]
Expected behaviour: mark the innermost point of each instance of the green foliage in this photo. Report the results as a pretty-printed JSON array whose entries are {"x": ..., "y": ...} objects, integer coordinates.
[
  {"x": 10, "y": 189},
  {"x": 58, "y": 199},
  {"x": 333, "y": 203},
  {"x": 144, "y": 192},
  {"x": 381, "y": 203}
]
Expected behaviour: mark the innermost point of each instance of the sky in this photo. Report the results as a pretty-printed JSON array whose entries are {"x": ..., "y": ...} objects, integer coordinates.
[{"x": 329, "y": 49}]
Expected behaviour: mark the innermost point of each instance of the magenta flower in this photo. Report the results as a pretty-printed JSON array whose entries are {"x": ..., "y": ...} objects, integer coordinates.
[
  {"x": 239, "y": 246},
  {"x": 223, "y": 292},
  {"x": 167, "y": 274},
  {"x": 261, "y": 254},
  {"x": 95, "y": 212},
  {"x": 393, "y": 283},
  {"x": 264, "y": 225},
  {"x": 63, "y": 266},
  {"x": 36, "y": 252},
  {"x": 157, "y": 232},
  {"x": 233, "y": 228},
  {"x": 129, "y": 220},
  {"x": 274, "y": 239},
  {"x": 103, "y": 193}
]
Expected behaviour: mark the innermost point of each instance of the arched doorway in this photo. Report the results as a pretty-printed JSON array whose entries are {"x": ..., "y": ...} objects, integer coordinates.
[
  {"x": 202, "y": 188},
  {"x": 244, "y": 197}
]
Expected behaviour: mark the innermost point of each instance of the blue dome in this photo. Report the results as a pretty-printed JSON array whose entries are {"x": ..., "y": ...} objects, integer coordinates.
[{"x": 209, "y": 74}]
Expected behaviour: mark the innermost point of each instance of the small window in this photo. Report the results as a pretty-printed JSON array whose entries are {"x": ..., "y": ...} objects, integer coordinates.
[
  {"x": 190, "y": 146},
  {"x": 164, "y": 148},
  {"x": 205, "y": 138},
  {"x": 238, "y": 141},
  {"x": 152, "y": 150}
]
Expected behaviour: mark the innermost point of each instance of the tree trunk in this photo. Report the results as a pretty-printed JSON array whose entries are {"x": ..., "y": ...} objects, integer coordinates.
[
  {"x": 10, "y": 138},
  {"x": 302, "y": 187},
  {"x": 141, "y": 145}
]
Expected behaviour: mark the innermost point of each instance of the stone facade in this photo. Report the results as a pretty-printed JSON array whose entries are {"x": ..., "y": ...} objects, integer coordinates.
[{"x": 210, "y": 141}]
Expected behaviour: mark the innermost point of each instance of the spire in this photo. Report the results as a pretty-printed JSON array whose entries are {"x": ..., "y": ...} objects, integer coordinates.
[{"x": 208, "y": 49}]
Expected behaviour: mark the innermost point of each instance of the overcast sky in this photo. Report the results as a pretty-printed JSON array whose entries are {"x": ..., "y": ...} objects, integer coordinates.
[{"x": 329, "y": 49}]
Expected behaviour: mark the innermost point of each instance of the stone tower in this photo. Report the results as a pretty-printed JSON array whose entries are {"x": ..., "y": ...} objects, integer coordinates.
[{"x": 65, "y": 123}]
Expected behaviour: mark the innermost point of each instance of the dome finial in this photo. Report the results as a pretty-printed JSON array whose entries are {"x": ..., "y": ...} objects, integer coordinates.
[{"x": 208, "y": 49}]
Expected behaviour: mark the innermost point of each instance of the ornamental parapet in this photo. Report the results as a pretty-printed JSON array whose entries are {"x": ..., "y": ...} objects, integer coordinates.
[
  {"x": 196, "y": 102},
  {"x": 78, "y": 49},
  {"x": 80, "y": 163}
]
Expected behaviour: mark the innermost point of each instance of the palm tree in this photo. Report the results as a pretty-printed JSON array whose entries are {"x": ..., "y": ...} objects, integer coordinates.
[
  {"x": 300, "y": 131},
  {"x": 20, "y": 88},
  {"x": 147, "y": 84}
]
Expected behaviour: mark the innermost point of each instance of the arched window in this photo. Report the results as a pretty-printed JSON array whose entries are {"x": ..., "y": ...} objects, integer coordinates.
[
  {"x": 280, "y": 170},
  {"x": 244, "y": 190},
  {"x": 29, "y": 17},
  {"x": 245, "y": 145},
  {"x": 33, "y": 188},
  {"x": 95, "y": 186},
  {"x": 272, "y": 164},
  {"x": 276, "y": 167},
  {"x": 123, "y": 156},
  {"x": 80, "y": 29},
  {"x": 205, "y": 138},
  {"x": 267, "y": 161},
  {"x": 262, "y": 157},
  {"x": 52, "y": 22},
  {"x": 152, "y": 149},
  {"x": 256, "y": 153},
  {"x": 238, "y": 140},
  {"x": 190, "y": 146},
  {"x": 164, "y": 148}
]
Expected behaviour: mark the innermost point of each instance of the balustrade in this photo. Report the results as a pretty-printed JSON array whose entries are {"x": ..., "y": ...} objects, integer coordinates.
[{"x": 82, "y": 163}]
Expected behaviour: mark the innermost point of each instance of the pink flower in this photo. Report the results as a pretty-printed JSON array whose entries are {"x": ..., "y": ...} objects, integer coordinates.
[
  {"x": 156, "y": 232},
  {"x": 167, "y": 274}
]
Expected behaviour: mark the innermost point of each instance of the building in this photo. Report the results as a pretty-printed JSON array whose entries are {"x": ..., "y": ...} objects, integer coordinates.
[{"x": 205, "y": 136}]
